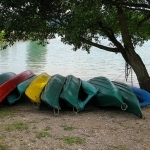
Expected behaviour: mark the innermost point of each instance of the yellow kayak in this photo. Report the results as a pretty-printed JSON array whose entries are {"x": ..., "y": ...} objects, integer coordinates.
[{"x": 35, "y": 88}]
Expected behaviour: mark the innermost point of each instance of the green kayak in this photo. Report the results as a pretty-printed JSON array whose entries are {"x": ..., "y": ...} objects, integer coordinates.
[
  {"x": 16, "y": 94},
  {"x": 51, "y": 93},
  {"x": 108, "y": 93},
  {"x": 129, "y": 98},
  {"x": 77, "y": 93},
  {"x": 6, "y": 76}
]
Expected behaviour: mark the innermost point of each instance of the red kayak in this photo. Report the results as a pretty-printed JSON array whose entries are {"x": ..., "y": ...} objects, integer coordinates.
[{"x": 11, "y": 84}]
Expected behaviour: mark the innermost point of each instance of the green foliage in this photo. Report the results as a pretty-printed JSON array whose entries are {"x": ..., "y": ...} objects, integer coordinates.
[
  {"x": 92, "y": 20},
  {"x": 2, "y": 34},
  {"x": 73, "y": 20},
  {"x": 23, "y": 20}
]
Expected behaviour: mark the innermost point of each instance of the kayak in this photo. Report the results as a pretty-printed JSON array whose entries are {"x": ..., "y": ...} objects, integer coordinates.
[
  {"x": 17, "y": 93},
  {"x": 12, "y": 83},
  {"x": 34, "y": 90},
  {"x": 142, "y": 95},
  {"x": 51, "y": 93},
  {"x": 77, "y": 93},
  {"x": 129, "y": 98},
  {"x": 6, "y": 76},
  {"x": 108, "y": 94}
]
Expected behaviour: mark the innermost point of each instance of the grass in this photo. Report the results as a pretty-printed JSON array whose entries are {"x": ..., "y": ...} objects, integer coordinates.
[
  {"x": 68, "y": 128},
  {"x": 4, "y": 113},
  {"x": 3, "y": 146},
  {"x": 2, "y": 136},
  {"x": 43, "y": 134},
  {"x": 16, "y": 126},
  {"x": 70, "y": 140},
  {"x": 33, "y": 140},
  {"x": 47, "y": 128}
]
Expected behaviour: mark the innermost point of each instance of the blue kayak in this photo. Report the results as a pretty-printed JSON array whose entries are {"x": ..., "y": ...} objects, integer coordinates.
[{"x": 142, "y": 95}]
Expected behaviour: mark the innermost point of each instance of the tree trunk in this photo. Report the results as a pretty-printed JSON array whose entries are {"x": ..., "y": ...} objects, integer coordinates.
[
  {"x": 129, "y": 54},
  {"x": 134, "y": 60}
]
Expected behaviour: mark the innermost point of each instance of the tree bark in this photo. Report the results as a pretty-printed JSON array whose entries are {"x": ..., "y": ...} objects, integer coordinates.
[
  {"x": 129, "y": 54},
  {"x": 134, "y": 60}
]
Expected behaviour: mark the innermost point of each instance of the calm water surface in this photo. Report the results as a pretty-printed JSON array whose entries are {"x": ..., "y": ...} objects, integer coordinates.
[{"x": 58, "y": 58}]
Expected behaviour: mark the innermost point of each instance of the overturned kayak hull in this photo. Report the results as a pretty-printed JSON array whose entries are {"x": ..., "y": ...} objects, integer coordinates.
[
  {"x": 108, "y": 94},
  {"x": 34, "y": 90},
  {"x": 129, "y": 98},
  {"x": 51, "y": 93},
  {"x": 77, "y": 93},
  {"x": 11, "y": 84},
  {"x": 6, "y": 76},
  {"x": 16, "y": 94}
]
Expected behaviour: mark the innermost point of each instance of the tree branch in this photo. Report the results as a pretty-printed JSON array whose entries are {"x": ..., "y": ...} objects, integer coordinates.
[
  {"x": 124, "y": 29},
  {"x": 138, "y": 6},
  {"x": 115, "y": 50},
  {"x": 110, "y": 34},
  {"x": 144, "y": 6},
  {"x": 142, "y": 21}
]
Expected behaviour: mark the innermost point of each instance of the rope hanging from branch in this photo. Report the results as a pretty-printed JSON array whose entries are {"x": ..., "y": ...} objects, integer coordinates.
[{"x": 128, "y": 70}]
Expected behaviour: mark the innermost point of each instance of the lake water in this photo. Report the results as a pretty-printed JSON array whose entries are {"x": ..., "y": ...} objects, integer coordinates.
[{"x": 58, "y": 58}]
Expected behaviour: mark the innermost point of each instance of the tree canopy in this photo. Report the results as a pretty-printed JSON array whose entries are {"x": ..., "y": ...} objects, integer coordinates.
[{"x": 77, "y": 20}]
